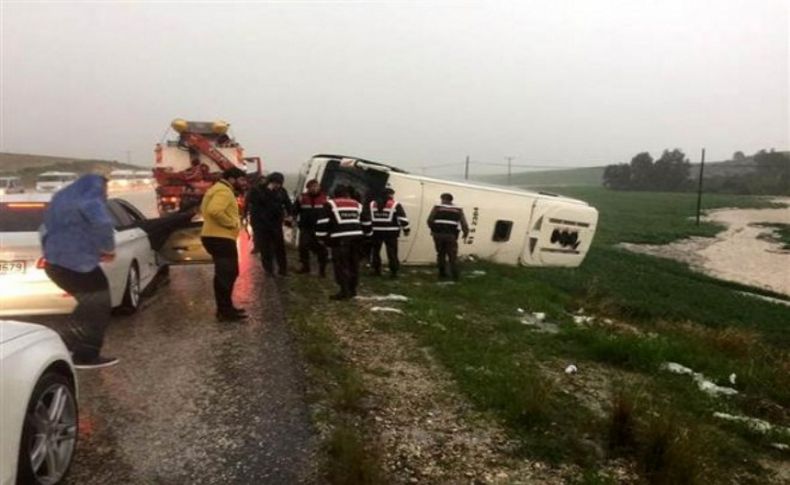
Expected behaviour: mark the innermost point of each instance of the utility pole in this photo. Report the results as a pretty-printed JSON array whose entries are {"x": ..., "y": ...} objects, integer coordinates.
[
  {"x": 466, "y": 169},
  {"x": 699, "y": 188},
  {"x": 509, "y": 171}
]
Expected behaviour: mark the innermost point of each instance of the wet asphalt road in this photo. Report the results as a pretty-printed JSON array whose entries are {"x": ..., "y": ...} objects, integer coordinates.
[{"x": 194, "y": 400}]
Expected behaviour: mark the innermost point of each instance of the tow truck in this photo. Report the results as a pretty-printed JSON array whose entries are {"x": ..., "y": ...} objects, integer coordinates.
[{"x": 185, "y": 167}]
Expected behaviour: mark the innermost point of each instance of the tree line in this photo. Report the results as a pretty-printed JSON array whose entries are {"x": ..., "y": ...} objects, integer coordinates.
[
  {"x": 765, "y": 172},
  {"x": 671, "y": 172}
]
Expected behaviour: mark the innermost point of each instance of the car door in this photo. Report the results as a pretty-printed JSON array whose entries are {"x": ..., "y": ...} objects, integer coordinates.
[
  {"x": 183, "y": 246},
  {"x": 146, "y": 257},
  {"x": 130, "y": 242}
]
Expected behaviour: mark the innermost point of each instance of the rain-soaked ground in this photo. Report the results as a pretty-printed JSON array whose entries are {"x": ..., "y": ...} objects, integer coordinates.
[{"x": 194, "y": 400}]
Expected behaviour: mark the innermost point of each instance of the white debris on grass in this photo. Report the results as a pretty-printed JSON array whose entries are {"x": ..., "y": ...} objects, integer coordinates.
[
  {"x": 520, "y": 310},
  {"x": 445, "y": 283},
  {"x": 571, "y": 369},
  {"x": 386, "y": 309},
  {"x": 582, "y": 319},
  {"x": 390, "y": 297},
  {"x": 732, "y": 378},
  {"x": 676, "y": 368},
  {"x": 477, "y": 272},
  {"x": 781, "y": 446},
  {"x": 537, "y": 321},
  {"x": 704, "y": 384},
  {"x": 754, "y": 424}
]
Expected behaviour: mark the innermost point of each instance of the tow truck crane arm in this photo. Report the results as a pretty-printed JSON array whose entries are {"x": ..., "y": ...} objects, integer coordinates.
[{"x": 201, "y": 144}]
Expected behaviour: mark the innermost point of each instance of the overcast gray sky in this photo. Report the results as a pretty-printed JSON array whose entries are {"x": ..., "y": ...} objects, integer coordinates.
[{"x": 563, "y": 83}]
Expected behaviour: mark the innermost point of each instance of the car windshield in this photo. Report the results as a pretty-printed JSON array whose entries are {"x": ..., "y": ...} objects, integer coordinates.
[{"x": 21, "y": 216}]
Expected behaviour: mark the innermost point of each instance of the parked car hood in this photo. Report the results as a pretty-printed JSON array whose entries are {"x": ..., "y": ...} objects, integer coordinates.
[{"x": 10, "y": 330}]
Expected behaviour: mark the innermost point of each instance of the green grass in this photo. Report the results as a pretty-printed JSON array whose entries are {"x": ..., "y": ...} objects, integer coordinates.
[
  {"x": 335, "y": 389},
  {"x": 653, "y": 217},
  {"x": 674, "y": 314},
  {"x": 781, "y": 232}
]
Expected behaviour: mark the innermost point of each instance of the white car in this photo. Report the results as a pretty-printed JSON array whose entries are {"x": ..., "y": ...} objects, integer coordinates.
[
  {"x": 25, "y": 288},
  {"x": 143, "y": 177},
  {"x": 38, "y": 410},
  {"x": 11, "y": 185},
  {"x": 121, "y": 179},
  {"x": 54, "y": 181}
]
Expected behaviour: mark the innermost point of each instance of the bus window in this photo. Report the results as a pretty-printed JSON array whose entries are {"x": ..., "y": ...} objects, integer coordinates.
[{"x": 367, "y": 183}]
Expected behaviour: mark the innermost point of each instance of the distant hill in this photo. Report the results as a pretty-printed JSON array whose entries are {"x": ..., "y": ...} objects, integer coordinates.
[
  {"x": 576, "y": 176},
  {"x": 29, "y": 166},
  {"x": 593, "y": 176}
]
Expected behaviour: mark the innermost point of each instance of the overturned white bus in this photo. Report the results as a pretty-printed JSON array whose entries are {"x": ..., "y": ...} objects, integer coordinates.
[{"x": 508, "y": 226}]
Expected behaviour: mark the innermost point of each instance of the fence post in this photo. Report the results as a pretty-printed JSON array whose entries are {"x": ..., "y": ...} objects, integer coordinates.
[{"x": 699, "y": 187}]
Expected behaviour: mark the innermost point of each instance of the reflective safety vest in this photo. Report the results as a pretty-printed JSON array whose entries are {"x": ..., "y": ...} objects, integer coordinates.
[
  {"x": 387, "y": 219},
  {"x": 309, "y": 209},
  {"x": 341, "y": 218},
  {"x": 446, "y": 219}
]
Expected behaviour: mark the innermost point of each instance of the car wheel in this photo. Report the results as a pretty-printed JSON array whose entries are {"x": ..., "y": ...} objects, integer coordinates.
[
  {"x": 131, "y": 297},
  {"x": 49, "y": 435}
]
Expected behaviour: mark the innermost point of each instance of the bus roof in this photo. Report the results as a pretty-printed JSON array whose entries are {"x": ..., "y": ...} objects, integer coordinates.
[{"x": 458, "y": 183}]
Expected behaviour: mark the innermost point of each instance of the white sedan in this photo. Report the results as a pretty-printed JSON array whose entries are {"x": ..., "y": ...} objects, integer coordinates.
[
  {"x": 25, "y": 288},
  {"x": 38, "y": 409}
]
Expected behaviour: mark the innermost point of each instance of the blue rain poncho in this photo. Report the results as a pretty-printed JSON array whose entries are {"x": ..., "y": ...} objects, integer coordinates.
[{"x": 77, "y": 225}]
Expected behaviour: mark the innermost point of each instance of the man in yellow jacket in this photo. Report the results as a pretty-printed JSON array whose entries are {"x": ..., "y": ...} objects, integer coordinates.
[{"x": 221, "y": 226}]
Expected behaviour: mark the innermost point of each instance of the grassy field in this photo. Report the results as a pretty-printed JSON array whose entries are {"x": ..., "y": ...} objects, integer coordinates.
[{"x": 644, "y": 311}]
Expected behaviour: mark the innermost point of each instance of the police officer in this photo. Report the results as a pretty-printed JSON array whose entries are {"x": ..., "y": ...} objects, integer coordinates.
[
  {"x": 269, "y": 207},
  {"x": 446, "y": 222},
  {"x": 341, "y": 227},
  {"x": 386, "y": 218},
  {"x": 308, "y": 210}
]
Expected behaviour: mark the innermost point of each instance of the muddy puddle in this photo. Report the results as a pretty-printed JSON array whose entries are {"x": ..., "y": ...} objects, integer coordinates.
[{"x": 746, "y": 252}]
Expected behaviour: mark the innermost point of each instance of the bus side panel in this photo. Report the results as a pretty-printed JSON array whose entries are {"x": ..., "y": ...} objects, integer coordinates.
[
  {"x": 483, "y": 209},
  {"x": 408, "y": 192}
]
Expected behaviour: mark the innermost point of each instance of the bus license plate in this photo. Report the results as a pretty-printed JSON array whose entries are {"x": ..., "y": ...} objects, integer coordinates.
[{"x": 12, "y": 267}]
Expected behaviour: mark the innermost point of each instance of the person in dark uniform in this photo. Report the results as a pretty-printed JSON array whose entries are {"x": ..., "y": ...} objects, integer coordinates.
[
  {"x": 269, "y": 207},
  {"x": 387, "y": 219},
  {"x": 341, "y": 227},
  {"x": 446, "y": 222},
  {"x": 307, "y": 211}
]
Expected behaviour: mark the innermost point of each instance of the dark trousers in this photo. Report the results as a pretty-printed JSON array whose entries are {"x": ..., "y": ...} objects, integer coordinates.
[
  {"x": 226, "y": 269},
  {"x": 308, "y": 242},
  {"x": 84, "y": 335},
  {"x": 271, "y": 243},
  {"x": 345, "y": 261},
  {"x": 447, "y": 252},
  {"x": 390, "y": 241}
]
